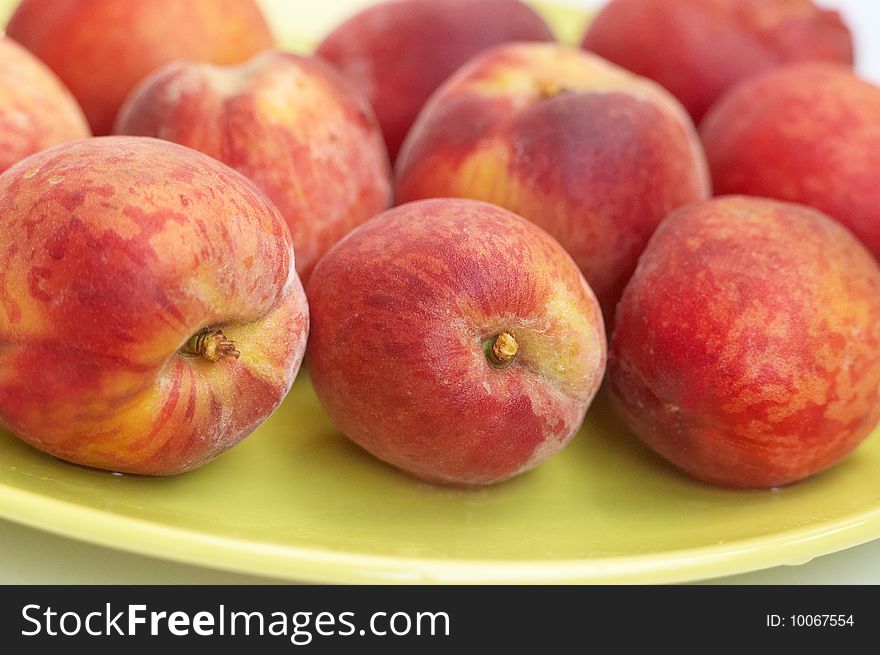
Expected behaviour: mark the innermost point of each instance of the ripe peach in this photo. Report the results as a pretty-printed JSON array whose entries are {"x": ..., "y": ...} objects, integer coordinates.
[
  {"x": 398, "y": 52},
  {"x": 454, "y": 340},
  {"x": 591, "y": 153},
  {"x": 807, "y": 133},
  {"x": 150, "y": 313},
  {"x": 290, "y": 124},
  {"x": 747, "y": 344},
  {"x": 700, "y": 48},
  {"x": 101, "y": 48},
  {"x": 36, "y": 111}
]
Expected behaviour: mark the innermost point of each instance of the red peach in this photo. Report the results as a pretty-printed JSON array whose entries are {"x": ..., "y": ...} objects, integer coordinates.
[
  {"x": 807, "y": 133},
  {"x": 290, "y": 124},
  {"x": 399, "y": 52},
  {"x": 36, "y": 111},
  {"x": 150, "y": 313},
  {"x": 101, "y": 48},
  {"x": 591, "y": 153},
  {"x": 454, "y": 340},
  {"x": 700, "y": 48},
  {"x": 747, "y": 344}
]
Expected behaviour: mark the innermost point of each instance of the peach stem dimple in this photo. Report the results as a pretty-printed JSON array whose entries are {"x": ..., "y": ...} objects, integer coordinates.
[
  {"x": 549, "y": 88},
  {"x": 501, "y": 350},
  {"x": 211, "y": 344}
]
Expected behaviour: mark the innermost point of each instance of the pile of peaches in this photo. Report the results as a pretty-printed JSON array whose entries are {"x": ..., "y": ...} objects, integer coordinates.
[{"x": 552, "y": 212}]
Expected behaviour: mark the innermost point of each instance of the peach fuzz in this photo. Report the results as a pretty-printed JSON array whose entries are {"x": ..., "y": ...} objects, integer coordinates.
[
  {"x": 150, "y": 313},
  {"x": 807, "y": 133},
  {"x": 747, "y": 344},
  {"x": 698, "y": 49},
  {"x": 290, "y": 124},
  {"x": 399, "y": 52},
  {"x": 101, "y": 48},
  {"x": 36, "y": 111},
  {"x": 454, "y": 340},
  {"x": 589, "y": 152}
]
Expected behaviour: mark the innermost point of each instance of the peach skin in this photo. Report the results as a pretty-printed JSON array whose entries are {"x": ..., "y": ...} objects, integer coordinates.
[
  {"x": 36, "y": 111},
  {"x": 806, "y": 133}
]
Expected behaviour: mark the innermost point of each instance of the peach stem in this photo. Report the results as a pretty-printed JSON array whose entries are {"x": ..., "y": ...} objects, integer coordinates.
[
  {"x": 501, "y": 350},
  {"x": 211, "y": 344},
  {"x": 549, "y": 88}
]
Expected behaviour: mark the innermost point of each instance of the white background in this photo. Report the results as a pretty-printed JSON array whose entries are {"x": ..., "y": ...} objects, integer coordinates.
[{"x": 30, "y": 556}]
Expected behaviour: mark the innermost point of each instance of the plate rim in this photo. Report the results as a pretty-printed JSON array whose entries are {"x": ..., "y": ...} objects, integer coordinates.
[{"x": 302, "y": 564}]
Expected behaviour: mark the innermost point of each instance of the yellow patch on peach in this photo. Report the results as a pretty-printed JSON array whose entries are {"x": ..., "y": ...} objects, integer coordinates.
[
  {"x": 273, "y": 102},
  {"x": 19, "y": 313},
  {"x": 483, "y": 173},
  {"x": 557, "y": 359},
  {"x": 257, "y": 357}
]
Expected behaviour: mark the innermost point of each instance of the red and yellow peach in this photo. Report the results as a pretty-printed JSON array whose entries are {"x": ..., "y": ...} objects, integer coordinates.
[
  {"x": 746, "y": 348},
  {"x": 454, "y": 340},
  {"x": 290, "y": 124},
  {"x": 150, "y": 313}
]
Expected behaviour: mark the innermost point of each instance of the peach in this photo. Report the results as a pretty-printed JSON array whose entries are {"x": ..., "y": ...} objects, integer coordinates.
[
  {"x": 150, "y": 313},
  {"x": 454, "y": 340},
  {"x": 747, "y": 344},
  {"x": 101, "y": 48},
  {"x": 807, "y": 133},
  {"x": 700, "y": 48},
  {"x": 591, "y": 153},
  {"x": 399, "y": 52},
  {"x": 290, "y": 124},
  {"x": 36, "y": 111}
]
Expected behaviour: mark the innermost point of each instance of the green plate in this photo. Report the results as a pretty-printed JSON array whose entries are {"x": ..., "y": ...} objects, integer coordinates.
[{"x": 298, "y": 501}]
